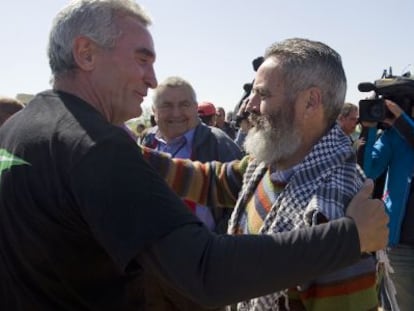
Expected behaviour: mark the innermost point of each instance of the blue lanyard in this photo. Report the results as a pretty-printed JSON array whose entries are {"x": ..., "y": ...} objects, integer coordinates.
[{"x": 173, "y": 154}]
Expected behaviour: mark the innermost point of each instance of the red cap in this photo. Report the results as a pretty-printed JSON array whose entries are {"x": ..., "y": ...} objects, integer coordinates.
[{"x": 206, "y": 109}]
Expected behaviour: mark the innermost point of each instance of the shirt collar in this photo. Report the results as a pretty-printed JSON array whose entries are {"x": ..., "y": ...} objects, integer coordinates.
[
  {"x": 186, "y": 140},
  {"x": 188, "y": 136}
]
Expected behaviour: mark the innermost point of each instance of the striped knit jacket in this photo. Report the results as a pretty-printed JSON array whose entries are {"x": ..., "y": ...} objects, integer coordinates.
[{"x": 322, "y": 185}]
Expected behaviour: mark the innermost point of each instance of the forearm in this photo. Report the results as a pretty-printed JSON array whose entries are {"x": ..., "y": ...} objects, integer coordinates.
[
  {"x": 218, "y": 270},
  {"x": 405, "y": 127},
  {"x": 368, "y": 164},
  {"x": 211, "y": 183}
]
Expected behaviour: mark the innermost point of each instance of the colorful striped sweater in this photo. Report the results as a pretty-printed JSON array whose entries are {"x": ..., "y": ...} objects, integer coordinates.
[{"x": 352, "y": 288}]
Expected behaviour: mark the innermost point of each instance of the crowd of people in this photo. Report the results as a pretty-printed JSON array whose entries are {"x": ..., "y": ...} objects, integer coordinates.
[{"x": 262, "y": 208}]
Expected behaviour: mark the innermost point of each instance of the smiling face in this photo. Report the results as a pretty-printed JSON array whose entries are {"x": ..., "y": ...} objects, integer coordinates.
[
  {"x": 175, "y": 111},
  {"x": 123, "y": 74},
  {"x": 276, "y": 132}
]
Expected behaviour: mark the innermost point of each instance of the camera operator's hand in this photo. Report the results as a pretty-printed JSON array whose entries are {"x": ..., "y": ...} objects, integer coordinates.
[
  {"x": 245, "y": 125},
  {"x": 369, "y": 123},
  {"x": 395, "y": 110},
  {"x": 242, "y": 109}
]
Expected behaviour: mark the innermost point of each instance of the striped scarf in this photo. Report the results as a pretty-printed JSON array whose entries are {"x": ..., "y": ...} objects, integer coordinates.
[{"x": 324, "y": 183}]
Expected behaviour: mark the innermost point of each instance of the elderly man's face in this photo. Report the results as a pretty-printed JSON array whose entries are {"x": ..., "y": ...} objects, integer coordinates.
[
  {"x": 349, "y": 123},
  {"x": 175, "y": 112},
  {"x": 123, "y": 74},
  {"x": 275, "y": 135}
]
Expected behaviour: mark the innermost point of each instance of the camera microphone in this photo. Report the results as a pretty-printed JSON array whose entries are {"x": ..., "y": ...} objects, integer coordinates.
[{"x": 366, "y": 87}]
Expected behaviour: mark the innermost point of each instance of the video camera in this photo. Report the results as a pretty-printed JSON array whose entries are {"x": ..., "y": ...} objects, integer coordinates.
[{"x": 399, "y": 89}]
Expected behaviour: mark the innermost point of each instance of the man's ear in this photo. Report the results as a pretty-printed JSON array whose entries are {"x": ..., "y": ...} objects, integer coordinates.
[
  {"x": 84, "y": 53},
  {"x": 314, "y": 98}
]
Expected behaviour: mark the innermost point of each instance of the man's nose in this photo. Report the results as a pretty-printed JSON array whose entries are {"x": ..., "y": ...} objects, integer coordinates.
[
  {"x": 151, "y": 79},
  {"x": 253, "y": 104}
]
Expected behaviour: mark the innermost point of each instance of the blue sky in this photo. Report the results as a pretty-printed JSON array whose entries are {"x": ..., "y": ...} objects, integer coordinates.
[{"x": 211, "y": 43}]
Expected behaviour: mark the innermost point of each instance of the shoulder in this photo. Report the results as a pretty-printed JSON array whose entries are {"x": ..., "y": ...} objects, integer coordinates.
[
  {"x": 214, "y": 139},
  {"x": 220, "y": 134}
]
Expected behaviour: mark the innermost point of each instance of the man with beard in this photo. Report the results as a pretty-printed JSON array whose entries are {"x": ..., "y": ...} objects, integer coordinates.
[
  {"x": 83, "y": 216},
  {"x": 301, "y": 170}
]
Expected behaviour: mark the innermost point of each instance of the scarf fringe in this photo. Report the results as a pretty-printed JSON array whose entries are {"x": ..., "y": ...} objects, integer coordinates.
[
  {"x": 268, "y": 303},
  {"x": 383, "y": 260}
]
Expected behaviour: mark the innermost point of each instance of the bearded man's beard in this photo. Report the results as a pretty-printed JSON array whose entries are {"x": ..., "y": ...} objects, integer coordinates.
[{"x": 274, "y": 138}]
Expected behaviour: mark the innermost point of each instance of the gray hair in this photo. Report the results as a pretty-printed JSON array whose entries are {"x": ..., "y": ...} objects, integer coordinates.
[
  {"x": 95, "y": 19},
  {"x": 172, "y": 82},
  {"x": 306, "y": 64},
  {"x": 347, "y": 109}
]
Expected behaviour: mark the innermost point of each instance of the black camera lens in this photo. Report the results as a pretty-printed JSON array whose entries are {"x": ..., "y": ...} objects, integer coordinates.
[
  {"x": 372, "y": 110},
  {"x": 376, "y": 112}
]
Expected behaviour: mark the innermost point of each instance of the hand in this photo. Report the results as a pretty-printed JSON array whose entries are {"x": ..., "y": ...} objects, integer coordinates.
[
  {"x": 395, "y": 110},
  {"x": 359, "y": 143},
  {"x": 370, "y": 219},
  {"x": 245, "y": 126},
  {"x": 369, "y": 124},
  {"x": 242, "y": 108}
]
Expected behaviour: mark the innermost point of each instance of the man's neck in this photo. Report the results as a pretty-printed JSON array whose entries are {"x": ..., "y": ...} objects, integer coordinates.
[
  {"x": 82, "y": 88},
  {"x": 291, "y": 161},
  {"x": 299, "y": 155}
]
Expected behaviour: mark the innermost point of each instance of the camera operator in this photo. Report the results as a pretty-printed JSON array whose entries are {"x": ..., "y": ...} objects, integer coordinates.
[
  {"x": 243, "y": 124},
  {"x": 393, "y": 153},
  {"x": 247, "y": 88}
]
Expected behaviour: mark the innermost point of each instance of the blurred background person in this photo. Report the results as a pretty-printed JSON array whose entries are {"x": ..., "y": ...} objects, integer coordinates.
[
  {"x": 243, "y": 125},
  {"x": 229, "y": 118},
  {"x": 207, "y": 113},
  {"x": 180, "y": 133},
  {"x": 8, "y": 107},
  {"x": 222, "y": 124},
  {"x": 348, "y": 121},
  {"x": 139, "y": 129},
  {"x": 348, "y": 118}
]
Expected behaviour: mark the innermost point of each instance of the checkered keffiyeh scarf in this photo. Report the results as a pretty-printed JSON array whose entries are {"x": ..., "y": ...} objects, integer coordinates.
[{"x": 324, "y": 183}]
